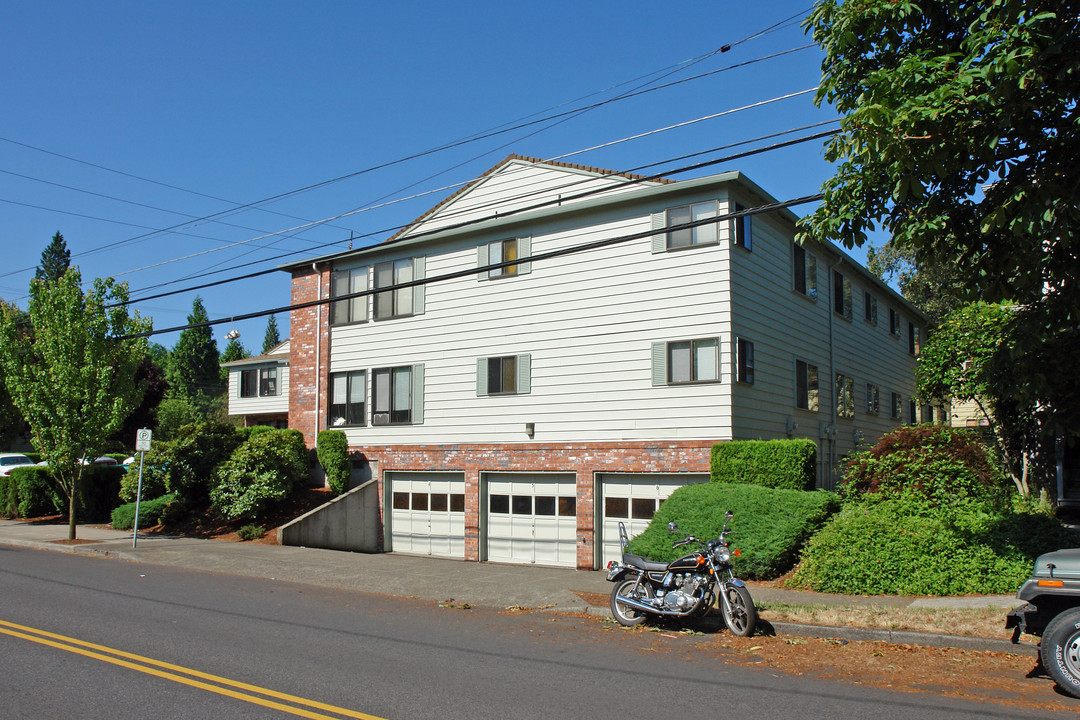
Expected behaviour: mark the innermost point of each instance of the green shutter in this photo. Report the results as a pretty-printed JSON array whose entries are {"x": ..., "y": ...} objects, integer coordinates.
[
  {"x": 481, "y": 261},
  {"x": 481, "y": 377},
  {"x": 659, "y": 363},
  {"x": 419, "y": 266},
  {"x": 524, "y": 374},
  {"x": 524, "y": 250},
  {"x": 418, "y": 394},
  {"x": 659, "y": 242}
]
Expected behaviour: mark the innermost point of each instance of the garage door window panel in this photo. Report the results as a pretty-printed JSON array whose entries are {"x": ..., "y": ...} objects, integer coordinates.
[
  {"x": 545, "y": 505},
  {"x": 643, "y": 508},
  {"x": 500, "y": 504},
  {"x": 617, "y": 507}
]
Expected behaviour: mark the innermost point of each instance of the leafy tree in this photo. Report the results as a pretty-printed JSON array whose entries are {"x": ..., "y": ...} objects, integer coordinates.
[
  {"x": 935, "y": 288},
  {"x": 72, "y": 376},
  {"x": 12, "y": 423},
  {"x": 271, "y": 338},
  {"x": 960, "y": 137},
  {"x": 193, "y": 371},
  {"x": 153, "y": 374},
  {"x": 970, "y": 357},
  {"x": 55, "y": 259},
  {"x": 233, "y": 351}
]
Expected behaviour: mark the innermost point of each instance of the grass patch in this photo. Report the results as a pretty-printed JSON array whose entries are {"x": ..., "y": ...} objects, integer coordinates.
[{"x": 988, "y": 622}]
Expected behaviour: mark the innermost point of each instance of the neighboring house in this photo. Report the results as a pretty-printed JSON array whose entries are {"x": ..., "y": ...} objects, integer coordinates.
[
  {"x": 259, "y": 388},
  {"x": 519, "y": 413}
]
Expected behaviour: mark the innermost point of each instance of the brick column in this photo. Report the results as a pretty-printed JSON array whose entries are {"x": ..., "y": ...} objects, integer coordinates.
[{"x": 309, "y": 332}]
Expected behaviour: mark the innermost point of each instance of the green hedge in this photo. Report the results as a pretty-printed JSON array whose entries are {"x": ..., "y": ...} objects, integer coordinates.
[
  {"x": 30, "y": 492},
  {"x": 150, "y": 512},
  {"x": 770, "y": 525},
  {"x": 894, "y": 547},
  {"x": 333, "y": 448},
  {"x": 781, "y": 464}
]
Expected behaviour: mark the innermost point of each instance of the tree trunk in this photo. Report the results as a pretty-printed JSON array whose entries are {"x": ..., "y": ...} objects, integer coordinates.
[{"x": 73, "y": 504}]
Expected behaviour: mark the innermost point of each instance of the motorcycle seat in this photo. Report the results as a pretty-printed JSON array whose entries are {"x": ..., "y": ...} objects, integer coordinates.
[{"x": 643, "y": 563}]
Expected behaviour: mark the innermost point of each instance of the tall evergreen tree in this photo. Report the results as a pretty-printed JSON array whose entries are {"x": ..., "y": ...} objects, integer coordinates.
[
  {"x": 55, "y": 259},
  {"x": 272, "y": 337},
  {"x": 235, "y": 350},
  {"x": 193, "y": 371}
]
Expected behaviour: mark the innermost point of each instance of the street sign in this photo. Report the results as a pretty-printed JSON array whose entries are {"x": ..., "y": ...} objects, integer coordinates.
[{"x": 142, "y": 440}]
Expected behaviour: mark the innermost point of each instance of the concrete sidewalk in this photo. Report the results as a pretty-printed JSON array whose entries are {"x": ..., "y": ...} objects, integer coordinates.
[{"x": 480, "y": 584}]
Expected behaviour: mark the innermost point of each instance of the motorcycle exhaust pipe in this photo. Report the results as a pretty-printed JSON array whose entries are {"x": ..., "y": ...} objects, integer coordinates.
[{"x": 646, "y": 607}]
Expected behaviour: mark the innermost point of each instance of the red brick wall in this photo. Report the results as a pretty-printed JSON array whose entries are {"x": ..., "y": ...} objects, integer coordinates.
[
  {"x": 584, "y": 459},
  {"x": 306, "y": 336}
]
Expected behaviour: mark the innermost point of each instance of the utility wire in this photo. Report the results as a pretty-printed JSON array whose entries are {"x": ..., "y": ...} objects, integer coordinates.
[
  {"x": 507, "y": 213},
  {"x": 584, "y": 247}
]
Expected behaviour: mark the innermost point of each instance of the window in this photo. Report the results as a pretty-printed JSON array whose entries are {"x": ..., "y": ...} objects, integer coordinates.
[
  {"x": 740, "y": 229},
  {"x": 804, "y": 271},
  {"x": 268, "y": 385},
  {"x": 397, "y": 395},
  {"x": 894, "y": 406},
  {"x": 912, "y": 412},
  {"x": 686, "y": 361},
  {"x": 912, "y": 339},
  {"x": 841, "y": 294},
  {"x": 806, "y": 386},
  {"x": 509, "y": 375},
  {"x": 345, "y": 282},
  {"x": 845, "y": 396},
  {"x": 894, "y": 322},
  {"x": 500, "y": 251},
  {"x": 745, "y": 360},
  {"x": 870, "y": 308},
  {"x": 872, "y": 399},
  {"x": 348, "y": 397},
  {"x": 400, "y": 302},
  {"x": 249, "y": 383},
  {"x": 926, "y": 413},
  {"x": 707, "y": 234}
]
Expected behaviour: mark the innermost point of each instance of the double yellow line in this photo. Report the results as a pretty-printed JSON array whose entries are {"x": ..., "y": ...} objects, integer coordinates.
[{"x": 185, "y": 676}]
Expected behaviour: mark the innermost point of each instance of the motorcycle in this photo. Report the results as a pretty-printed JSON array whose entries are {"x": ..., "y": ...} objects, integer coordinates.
[{"x": 686, "y": 587}]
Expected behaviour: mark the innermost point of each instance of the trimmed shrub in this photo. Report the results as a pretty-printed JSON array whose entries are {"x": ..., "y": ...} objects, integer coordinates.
[
  {"x": 150, "y": 513},
  {"x": 890, "y": 547},
  {"x": 252, "y": 430},
  {"x": 99, "y": 491},
  {"x": 262, "y": 472},
  {"x": 333, "y": 449},
  {"x": 770, "y": 525},
  {"x": 153, "y": 477},
  {"x": 191, "y": 458},
  {"x": 782, "y": 464},
  {"x": 30, "y": 492}
]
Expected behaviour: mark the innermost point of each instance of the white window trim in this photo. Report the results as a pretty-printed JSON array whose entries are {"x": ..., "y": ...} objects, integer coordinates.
[
  {"x": 661, "y": 240},
  {"x": 484, "y": 257},
  {"x": 416, "y": 396},
  {"x": 419, "y": 268},
  {"x": 661, "y": 371}
]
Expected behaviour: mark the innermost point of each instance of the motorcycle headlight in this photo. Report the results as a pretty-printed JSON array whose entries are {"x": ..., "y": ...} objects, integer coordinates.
[{"x": 722, "y": 554}]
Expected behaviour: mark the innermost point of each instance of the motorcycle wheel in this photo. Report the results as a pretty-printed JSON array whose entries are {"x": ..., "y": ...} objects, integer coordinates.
[
  {"x": 742, "y": 618},
  {"x": 627, "y": 616}
]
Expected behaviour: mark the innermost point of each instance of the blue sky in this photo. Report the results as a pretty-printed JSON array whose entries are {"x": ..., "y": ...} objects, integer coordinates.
[{"x": 123, "y": 119}]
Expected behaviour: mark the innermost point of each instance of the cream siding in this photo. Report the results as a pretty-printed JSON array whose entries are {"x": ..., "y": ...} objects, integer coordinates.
[{"x": 258, "y": 405}]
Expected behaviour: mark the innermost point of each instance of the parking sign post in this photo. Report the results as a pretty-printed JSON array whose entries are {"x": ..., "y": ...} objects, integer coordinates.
[{"x": 142, "y": 444}]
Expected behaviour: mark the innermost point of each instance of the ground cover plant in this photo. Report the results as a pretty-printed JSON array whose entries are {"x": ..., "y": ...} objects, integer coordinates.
[
  {"x": 927, "y": 512},
  {"x": 150, "y": 512},
  {"x": 770, "y": 525}
]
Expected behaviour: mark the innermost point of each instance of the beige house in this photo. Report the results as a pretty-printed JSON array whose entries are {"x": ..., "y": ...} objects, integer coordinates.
[
  {"x": 554, "y": 349},
  {"x": 259, "y": 388}
]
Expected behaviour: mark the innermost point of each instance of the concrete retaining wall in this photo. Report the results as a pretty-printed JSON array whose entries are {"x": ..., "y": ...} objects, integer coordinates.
[{"x": 348, "y": 522}]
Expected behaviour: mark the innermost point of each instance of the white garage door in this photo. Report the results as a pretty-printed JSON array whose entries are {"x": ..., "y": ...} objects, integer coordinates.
[
  {"x": 632, "y": 499},
  {"x": 427, "y": 515},
  {"x": 532, "y": 518}
]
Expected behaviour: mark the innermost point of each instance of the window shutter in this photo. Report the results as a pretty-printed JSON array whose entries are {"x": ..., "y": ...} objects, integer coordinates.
[
  {"x": 481, "y": 377},
  {"x": 659, "y": 242},
  {"x": 524, "y": 250},
  {"x": 748, "y": 232},
  {"x": 659, "y": 363},
  {"x": 524, "y": 374},
  {"x": 418, "y": 394},
  {"x": 481, "y": 261},
  {"x": 419, "y": 266}
]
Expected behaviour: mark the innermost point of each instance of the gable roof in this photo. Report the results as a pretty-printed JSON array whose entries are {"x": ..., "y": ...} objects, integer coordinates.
[
  {"x": 598, "y": 173},
  {"x": 278, "y": 353}
]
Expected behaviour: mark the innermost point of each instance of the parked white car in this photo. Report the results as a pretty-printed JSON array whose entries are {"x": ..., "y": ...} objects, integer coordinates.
[{"x": 10, "y": 461}]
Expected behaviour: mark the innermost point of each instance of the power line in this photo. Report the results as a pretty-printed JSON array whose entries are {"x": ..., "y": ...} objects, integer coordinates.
[
  {"x": 584, "y": 247},
  {"x": 677, "y": 171}
]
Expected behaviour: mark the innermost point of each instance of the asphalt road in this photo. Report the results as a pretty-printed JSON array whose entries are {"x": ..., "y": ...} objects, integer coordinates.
[{"x": 83, "y": 637}]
